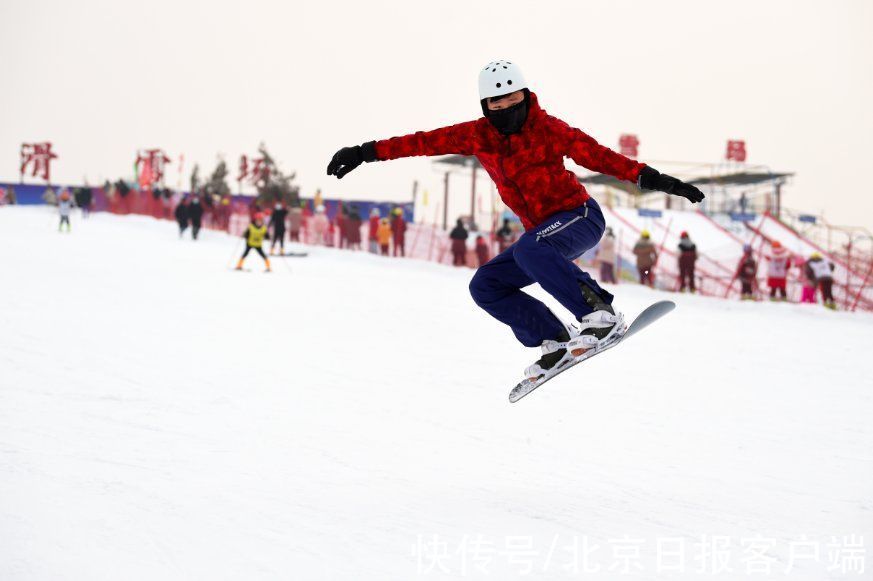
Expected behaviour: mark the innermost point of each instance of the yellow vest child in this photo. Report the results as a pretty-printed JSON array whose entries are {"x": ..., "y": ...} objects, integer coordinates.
[{"x": 254, "y": 236}]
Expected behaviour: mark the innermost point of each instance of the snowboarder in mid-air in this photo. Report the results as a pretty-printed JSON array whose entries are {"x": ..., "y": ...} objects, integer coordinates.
[{"x": 523, "y": 149}]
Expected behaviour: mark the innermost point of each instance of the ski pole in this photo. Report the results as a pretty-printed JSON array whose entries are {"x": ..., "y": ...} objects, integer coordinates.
[{"x": 235, "y": 252}]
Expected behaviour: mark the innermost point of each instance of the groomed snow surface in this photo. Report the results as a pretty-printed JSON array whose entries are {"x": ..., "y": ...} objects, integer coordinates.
[{"x": 346, "y": 417}]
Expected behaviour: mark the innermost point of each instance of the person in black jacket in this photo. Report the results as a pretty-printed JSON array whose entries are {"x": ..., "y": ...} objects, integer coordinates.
[
  {"x": 505, "y": 236},
  {"x": 195, "y": 213},
  {"x": 687, "y": 260},
  {"x": 182, "y": 215},
  {"x": 747, "y": 272},
  {"x": 459, "y": 237},
  {"x": 83, "y": 197},
  {"x": 277, "y": 223}
]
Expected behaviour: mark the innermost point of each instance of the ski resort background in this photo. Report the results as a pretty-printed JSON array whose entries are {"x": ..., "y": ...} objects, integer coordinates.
[{"x": 720, "y": 230}]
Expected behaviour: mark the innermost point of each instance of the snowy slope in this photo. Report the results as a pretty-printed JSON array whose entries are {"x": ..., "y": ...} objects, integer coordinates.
[
  {"x": 773, "y": 230},
  {"x": 714, "y": 244},
  {"x": 345, "y": 417},
  {"x": 711, "y": 240},
  {"x": 718, "y": 250}
]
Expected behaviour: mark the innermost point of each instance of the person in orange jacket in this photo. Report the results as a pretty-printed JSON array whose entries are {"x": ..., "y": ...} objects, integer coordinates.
[{"x": 384, "y": 235}]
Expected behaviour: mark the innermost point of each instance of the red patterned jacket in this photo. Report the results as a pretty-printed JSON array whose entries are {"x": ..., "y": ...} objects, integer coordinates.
[{"x": 528, "y": 167}]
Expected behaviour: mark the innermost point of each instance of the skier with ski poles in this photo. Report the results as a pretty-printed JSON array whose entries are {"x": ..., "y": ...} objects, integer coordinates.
[
  {"x": 254, "y": 235},
  {"x": 523, "y": 149}
]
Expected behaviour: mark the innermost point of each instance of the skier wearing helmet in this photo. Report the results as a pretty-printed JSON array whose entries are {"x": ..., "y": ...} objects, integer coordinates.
[
  {"x": 523, "y": 149},
  {"x": 686, "y": 262},
  {"x": 821, "y": 270},
  {"x": 778, "y": 263},
  {"x": 747, "y": 272},
  {"x": 65, "y": 208},
  {"x": 647, "y": 257},
  {"x": 254, "y": 236},
  {"x": 398, "y": 231}
]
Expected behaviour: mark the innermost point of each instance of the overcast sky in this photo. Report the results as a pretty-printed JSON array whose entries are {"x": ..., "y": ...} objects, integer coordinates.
[{"x": 103, "y": 78}]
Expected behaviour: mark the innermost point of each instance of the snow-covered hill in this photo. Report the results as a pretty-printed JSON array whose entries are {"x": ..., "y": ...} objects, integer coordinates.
[{"x": 346, "y": 417}]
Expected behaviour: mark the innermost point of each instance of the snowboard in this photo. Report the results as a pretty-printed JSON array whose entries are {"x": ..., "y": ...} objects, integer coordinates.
[
  {"x": 649, "y": 315},
  {"x": 293, "y": 254}
]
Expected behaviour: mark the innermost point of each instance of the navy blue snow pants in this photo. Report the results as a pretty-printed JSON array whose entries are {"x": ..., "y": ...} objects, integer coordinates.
[{"x": 543, "y": 255}]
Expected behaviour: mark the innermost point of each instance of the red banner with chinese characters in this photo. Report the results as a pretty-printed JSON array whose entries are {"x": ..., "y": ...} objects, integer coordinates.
[
  {"x": 38, "y": 156},
  {"x": 253, "y": 170},
  {"x": 629, "y": 144},
  {"x": 150, "y": 167},
  {"x": 736, "y": 150}
]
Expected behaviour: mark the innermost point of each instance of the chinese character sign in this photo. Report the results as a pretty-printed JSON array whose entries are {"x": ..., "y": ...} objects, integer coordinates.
[
  {"x": 629, "y": 144},
  {"x": 254, "y": 170},
  {"x": 39, "y": 157},
  {"x": 243, "y": 168},
  {"x": 736, "y": 150},
  {"x": 149, "y": 167}
]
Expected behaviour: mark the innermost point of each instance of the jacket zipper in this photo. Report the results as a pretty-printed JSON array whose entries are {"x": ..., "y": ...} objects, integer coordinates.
[{"x": 511, "y": 182}]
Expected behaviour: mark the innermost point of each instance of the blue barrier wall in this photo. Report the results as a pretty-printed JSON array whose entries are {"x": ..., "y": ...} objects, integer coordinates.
[{"x": 30, "y": 194}]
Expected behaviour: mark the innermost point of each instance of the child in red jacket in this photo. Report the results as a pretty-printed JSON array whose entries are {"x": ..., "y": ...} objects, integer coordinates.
[
  {"x": 482, "y": 251},
  {"x": 523, "y": 149}
]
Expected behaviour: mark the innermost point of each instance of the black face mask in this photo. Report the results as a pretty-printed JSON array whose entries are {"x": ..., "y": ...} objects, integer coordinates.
[{"x": 510, "y": 120}]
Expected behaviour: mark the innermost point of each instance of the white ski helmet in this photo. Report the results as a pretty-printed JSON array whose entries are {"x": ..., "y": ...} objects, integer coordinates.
[{"x": 500, "y": 78}]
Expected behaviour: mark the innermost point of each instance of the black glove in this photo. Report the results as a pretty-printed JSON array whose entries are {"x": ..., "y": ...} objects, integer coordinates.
[
  {"x": 652, "y": 179},
  {"x": 348, "y": 158}
]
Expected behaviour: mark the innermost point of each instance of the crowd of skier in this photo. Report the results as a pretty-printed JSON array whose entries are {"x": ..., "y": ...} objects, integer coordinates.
[
  {"x": 816, "y": 271},
  {"x": 298, "y": 223},
  {"x": 386, "y": 235},
  {"x": 816, "y": 274}
]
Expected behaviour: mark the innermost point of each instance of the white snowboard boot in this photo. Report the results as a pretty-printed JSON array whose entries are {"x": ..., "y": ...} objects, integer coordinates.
[
  {"x": 555, "y": 356},
  {"x": 598, "y": 327}
]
